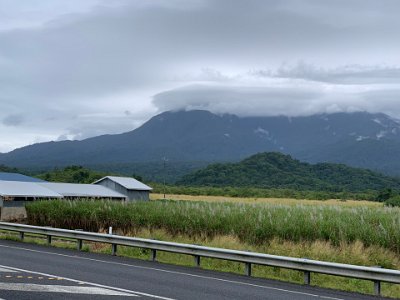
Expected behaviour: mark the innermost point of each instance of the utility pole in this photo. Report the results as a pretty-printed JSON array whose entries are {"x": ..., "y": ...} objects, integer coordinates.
[{"x": 165, "y": 162}]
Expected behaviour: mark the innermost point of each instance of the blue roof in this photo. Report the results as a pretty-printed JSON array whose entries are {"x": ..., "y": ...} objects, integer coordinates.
[{"x": 18, "y": 177}]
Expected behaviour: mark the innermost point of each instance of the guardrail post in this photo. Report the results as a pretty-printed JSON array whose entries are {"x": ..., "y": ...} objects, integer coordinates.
[
  {"x": 377, "y": 287},
  {"x": 49, "y": 239},
  {"x": 113, "y": 246},
  {"x": 197, "y": 261},
  {"x": 79, "y": 242},
  {"x": 21, "y": 235},
  {"x": 114, "y": 249},
  {"x": 79, "y": 245},
  {"x": 307, "y": 277},
  {"x": 153, "y": 255},
  {"x": 247, "y": 269}
]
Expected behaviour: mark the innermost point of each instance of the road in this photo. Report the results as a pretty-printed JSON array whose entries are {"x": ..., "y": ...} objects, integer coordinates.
[{"x": 38, "y": 272}]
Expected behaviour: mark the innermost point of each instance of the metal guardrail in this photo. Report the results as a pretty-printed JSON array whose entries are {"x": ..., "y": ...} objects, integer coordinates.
[{"x": 375, "y": 274}]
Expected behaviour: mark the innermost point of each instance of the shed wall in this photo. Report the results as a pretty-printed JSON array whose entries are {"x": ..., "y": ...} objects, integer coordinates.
[{"x": 131, "y": 194}]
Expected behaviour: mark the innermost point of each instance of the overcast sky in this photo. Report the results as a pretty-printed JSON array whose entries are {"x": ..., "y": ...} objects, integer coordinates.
[{"x": 71, "y": 69}]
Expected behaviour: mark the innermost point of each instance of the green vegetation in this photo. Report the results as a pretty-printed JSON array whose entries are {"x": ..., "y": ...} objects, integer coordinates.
[
  {"x": 393, "y": 201},
  {"x": 152, "y": 171},
  {"x": 250, "y": 223},
  {"x": 389, "y": 197},
  {"x": 278, "y": 171},
  {"x": 6, "y": 169},
  {"x": 72, "y": 174},
  {"x": 253, "y": 192},
  {"x": 362, "y": 236},
  {"x": 77, "y": 174}
]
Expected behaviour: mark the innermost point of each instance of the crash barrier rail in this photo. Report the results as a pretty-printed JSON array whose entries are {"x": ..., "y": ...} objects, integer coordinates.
[{"x": 307, "y": 266}]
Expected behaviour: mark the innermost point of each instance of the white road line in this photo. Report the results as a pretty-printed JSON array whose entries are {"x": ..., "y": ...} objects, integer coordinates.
[
  {"x": 330, "y": 298},
  {"x": 87, "y": 290},
  {"x": 175, "y": 272},
  {"x": 134, "y": 293},
  {"x": 4, "y": 270}
]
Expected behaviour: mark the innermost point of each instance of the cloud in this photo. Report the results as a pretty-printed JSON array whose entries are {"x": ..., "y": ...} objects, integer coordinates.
[
  {"x": 240, "y": 100},
  {"x": 75, "y": 70},
  {"x": 347, "y": 74},
  {"x": 13, "y": 120},
  {"x": 284, "y": 97}
]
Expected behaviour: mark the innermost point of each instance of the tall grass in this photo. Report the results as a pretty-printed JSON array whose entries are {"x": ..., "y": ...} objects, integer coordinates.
[{"x": 251, "y": 223}]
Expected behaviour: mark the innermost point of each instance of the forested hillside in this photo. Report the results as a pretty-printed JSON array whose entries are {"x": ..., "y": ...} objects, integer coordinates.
[{"x": 275, "y": 170}]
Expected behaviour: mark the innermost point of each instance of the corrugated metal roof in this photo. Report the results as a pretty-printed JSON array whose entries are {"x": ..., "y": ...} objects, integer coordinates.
[
  {"x": 26, "y": 189},
  {"x": 18, "y": 177},
  {"x": 81, "y": 190},
  {"x": 127, "y": 182}
]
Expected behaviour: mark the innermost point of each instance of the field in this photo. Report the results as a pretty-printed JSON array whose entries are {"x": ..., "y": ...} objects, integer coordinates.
[
  {"x": 355, "y": 235},
  {"x": 281, "y": 201}
]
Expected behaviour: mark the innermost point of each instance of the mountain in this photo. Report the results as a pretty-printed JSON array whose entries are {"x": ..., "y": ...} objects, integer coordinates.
[
  {"x": 195, "y": 138},
  {"x": 276, "y": 170}
]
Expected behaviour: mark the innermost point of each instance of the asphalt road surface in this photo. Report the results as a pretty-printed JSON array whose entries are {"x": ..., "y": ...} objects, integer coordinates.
[{"x": 38, "y": 272}]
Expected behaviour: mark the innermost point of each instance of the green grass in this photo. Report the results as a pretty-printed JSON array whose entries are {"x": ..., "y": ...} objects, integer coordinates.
[
  {"x": 368, "y": 236},
  {"x": 254, "y": 224}
]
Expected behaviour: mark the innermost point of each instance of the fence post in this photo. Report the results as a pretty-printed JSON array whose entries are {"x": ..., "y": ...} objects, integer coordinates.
[
  {"x": 247, "y": 269},
  {"x": 21, "y": 235},
  {"x": 49, "y": 240}
]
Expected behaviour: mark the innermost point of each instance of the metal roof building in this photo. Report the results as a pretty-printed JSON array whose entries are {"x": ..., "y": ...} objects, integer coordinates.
[
  {"x": 19, "y": 189},
  {"x": 130, "y": 187},
  {"x": 14, "y": 194},
  {"x": 25, "y": 191},
  {"x": 75, "y": 190},
  {"x": 18, "y": 177}
]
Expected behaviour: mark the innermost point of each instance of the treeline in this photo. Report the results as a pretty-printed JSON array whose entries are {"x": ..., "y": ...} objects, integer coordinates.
[
  {"x": 6, "y": 169},
  {"x": 72, "y": 174}
]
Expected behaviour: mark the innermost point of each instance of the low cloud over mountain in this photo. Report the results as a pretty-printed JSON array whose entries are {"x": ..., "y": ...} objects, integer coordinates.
[{"x": 71, "y": 69}]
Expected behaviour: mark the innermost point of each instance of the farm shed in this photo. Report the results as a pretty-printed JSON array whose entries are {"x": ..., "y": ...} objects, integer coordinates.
[
  {"x": 14, "y": 195},
  {"x": 130, "y": 187},
  {"x": 78, "y": 191},
  {"x": 18, "y": 177}
]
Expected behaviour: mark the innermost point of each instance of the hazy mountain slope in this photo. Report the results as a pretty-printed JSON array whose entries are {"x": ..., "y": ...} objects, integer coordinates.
[{"x": 358, "y": 139}]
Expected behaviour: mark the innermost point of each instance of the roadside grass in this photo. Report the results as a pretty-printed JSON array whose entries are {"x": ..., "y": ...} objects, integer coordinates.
[
  {"x": 254, "y": 224},
  {"x": 277, "y": 201},
  {"x": 354, "y": 253},
  {"x": 353, "y": 234}
]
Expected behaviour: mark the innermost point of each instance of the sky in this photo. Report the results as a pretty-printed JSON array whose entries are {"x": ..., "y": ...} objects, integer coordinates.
[{"x": 73, "y": 69}]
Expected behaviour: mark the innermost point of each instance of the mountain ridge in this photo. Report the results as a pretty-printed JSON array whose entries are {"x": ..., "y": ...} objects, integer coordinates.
[{"x": 358, "y": 139}]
